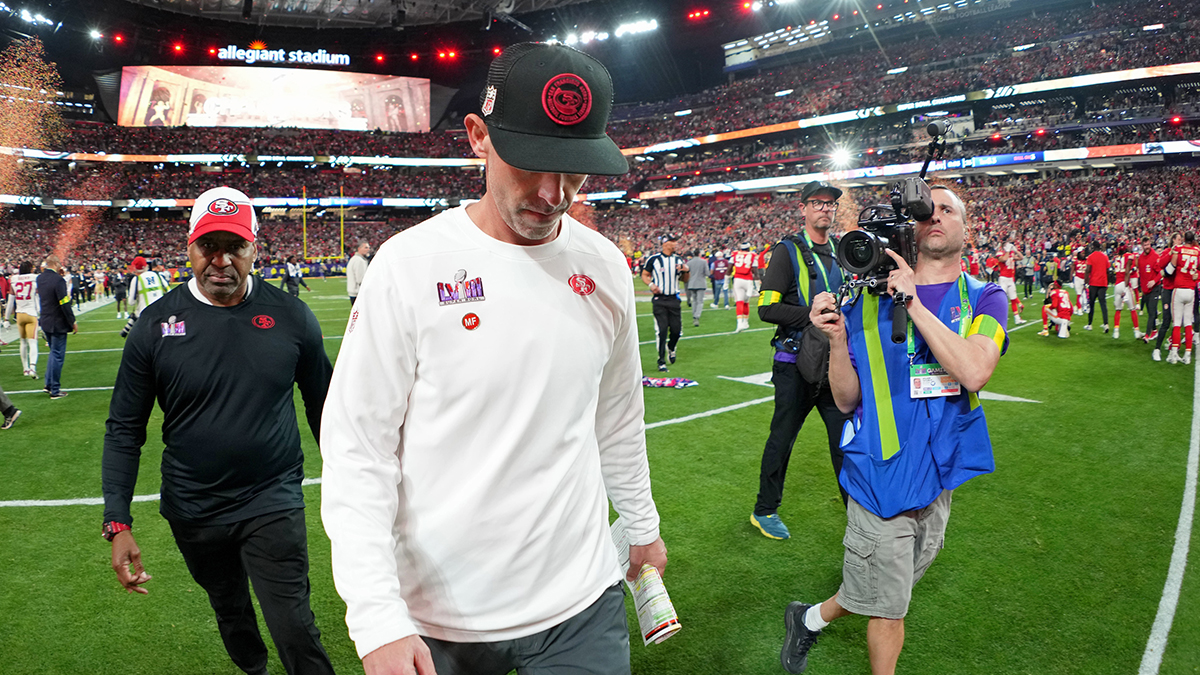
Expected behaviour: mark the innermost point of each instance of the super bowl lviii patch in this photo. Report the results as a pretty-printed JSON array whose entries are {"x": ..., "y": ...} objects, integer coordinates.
[{"x": 462, "y": 290}]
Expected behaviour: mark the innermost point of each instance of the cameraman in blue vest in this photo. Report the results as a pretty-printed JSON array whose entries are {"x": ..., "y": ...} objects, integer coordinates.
[
  {"x": 917, "y": 430},
  {"x": 802, "y": 267}
]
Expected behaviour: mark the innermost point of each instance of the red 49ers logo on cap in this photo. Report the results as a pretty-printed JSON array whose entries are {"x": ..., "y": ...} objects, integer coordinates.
[
  {"x": 222, "y": 207},
  {"x": 567, "y": 99},
  {"x": 263, "y": 321},
  {"x": 582, "y": 284}
]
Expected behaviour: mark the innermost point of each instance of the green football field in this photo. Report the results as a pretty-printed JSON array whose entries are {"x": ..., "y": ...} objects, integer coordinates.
[{"x": 1056, "y": 563}]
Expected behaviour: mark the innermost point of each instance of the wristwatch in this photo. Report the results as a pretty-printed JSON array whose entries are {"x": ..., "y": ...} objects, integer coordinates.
[{"x": 111, "y": 528}]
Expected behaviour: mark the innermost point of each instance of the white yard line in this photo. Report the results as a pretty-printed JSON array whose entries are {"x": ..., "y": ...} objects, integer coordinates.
[
  {"x": 708, "y": 335},
  {"x": 43, "y": 391},
  {"x": 43, "y": 350},
  {"x": 709, "y": 413},
  {"x": 99, "y": 501},
  {"x": 1157, "y": 644}
]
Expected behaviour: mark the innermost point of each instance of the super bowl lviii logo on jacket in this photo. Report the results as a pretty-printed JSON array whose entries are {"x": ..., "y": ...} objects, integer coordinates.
[{"x": 461, "y": 290}]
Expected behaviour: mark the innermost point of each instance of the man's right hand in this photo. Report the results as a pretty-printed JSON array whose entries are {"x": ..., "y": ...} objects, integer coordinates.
[
  {"x": 826, "y": 316},
  {"x": 127, "y": 563},
  {"x": 408, "y": 656}
]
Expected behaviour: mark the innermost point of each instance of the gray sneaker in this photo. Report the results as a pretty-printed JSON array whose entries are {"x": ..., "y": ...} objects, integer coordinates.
[
  {"x": 9, "y": 420},
  {"x": 799, "y": 639}
]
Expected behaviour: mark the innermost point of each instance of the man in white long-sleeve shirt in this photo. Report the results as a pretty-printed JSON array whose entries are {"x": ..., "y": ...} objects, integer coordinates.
[
  {"x": 356, "y": 269},
  {"x": 468, "y": 461}
]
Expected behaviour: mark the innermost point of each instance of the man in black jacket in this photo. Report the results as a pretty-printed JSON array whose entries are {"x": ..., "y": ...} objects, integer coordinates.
[
  {"x": 787, "y": 292},
  {"x": 56, "y": 319},
  {"x": 221, "y": 354}
]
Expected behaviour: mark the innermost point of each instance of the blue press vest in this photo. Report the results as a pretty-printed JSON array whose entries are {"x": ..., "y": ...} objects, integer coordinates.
[{"x": 901, "y": 452}]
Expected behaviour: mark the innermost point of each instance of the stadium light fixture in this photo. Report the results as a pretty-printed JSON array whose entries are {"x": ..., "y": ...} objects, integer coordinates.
[
  {"x": 96, "y": 35},
  {"x": 178, "y": 48},
  {"x": 212, "y": 51},
  {"x": 840, "y": 157},
  {"x": 379, "y": 58},
  {"x": 413, "y": 57},
  {"x": 837, "y": 16},
  {"x": 755, "y": 6},
  {"x": 495, "y": 50},
  {"x": 118, "y": 38},
  {"x": 783, "y": 92},
  {"x": 1040, "y": 132},
  {"x": 856, "y": 12},
  {"x": 640, "y": 27},
  {"x": 1176, "y": 120},
  {"x": 453, "y": 55}
]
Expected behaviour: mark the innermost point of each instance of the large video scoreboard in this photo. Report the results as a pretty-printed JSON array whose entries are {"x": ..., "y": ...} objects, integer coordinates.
[{"x": 233, "y": 96}]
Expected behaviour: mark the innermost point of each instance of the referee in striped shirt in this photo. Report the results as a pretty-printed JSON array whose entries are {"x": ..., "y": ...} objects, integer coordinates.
[{"x": 662, "y": 273}]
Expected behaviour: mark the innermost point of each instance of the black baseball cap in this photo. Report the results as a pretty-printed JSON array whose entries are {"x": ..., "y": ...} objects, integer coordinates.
[
  {"x": 819, "y": 186},
  {"x": 546, "y": 108}
]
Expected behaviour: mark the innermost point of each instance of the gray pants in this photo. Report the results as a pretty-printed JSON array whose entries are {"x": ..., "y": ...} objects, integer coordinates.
[
  {"x": 6, "y": 405},
  {"x": 593, "y": 642},
  {"x": 696, "y": 302}
]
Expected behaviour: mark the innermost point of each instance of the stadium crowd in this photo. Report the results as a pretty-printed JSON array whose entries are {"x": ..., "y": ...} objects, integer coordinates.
[{"x": 159, "y": 182}]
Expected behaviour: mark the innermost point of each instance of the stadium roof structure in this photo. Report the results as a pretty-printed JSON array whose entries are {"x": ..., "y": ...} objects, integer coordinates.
[{"x": 353, "y": 13}]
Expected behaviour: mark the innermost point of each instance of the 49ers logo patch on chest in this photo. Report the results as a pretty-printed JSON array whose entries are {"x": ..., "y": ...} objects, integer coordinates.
[
  {"x": 567, "y": 99},
  {"x": 582, "y": 284},
  {"x": 263, "y": 321}
]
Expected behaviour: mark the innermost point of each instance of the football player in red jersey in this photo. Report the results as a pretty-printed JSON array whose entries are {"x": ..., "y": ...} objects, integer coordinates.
[
  {"x": 1168, "y": 291},
  {"x": 744, "y": 263},
  {"x": 1056, "y": 309},
  {"x": 1079, "y": 265},
  {"x": 1008, "y": 281},
  {"x": 1124, "y": 265},
  {"x": 1186, "y": 261},
  {"x": 1149, "y": 276}
]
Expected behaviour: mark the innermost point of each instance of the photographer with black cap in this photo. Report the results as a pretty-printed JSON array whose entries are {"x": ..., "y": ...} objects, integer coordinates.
[
  {"x": 802, "y": 267},
  {"x": 470, "y": 454}
]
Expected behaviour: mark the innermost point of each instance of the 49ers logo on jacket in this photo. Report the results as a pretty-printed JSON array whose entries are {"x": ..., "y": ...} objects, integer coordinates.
[
  {"x": 222, "y": 207},
  {"x": 567, "y": 99},
  {"x": 582, "y": 284},
  {"x": 263, "y": 321}
]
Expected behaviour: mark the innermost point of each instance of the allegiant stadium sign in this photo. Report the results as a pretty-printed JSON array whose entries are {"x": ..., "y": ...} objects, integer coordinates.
[{"x": 319, "y": 57}]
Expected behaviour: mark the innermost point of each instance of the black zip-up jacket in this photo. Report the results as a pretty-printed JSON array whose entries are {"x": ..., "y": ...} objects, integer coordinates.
[{"x": 223, "y": 377}]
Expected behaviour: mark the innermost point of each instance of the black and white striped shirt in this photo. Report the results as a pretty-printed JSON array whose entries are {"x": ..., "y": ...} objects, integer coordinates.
[{"x": 664, "y": 271}]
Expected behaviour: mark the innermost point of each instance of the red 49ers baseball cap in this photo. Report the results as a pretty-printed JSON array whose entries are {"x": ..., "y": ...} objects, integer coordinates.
[
  {"x": 223, "y": 209},
  {"x": 546, "y": 108}
]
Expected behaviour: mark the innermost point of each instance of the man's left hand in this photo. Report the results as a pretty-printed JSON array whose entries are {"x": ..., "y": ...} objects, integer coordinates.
[
  {"x": 653, "y": 554},
  {"x": 902, "y": 278}
]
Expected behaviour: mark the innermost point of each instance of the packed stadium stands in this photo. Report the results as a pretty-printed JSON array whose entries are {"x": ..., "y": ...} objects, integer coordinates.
[{"x": 1054, "y": 44}]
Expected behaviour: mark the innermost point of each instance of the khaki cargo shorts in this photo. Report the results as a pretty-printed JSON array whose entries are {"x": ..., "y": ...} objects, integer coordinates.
[{"x": 885, "y": 558}]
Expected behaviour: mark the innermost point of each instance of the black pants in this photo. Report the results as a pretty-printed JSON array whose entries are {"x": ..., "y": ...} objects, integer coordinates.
[
  {"x": 794, "y": 400},
  {"x": 271, "y": 551},
  {"x": 1098, "y": 293},
  {"x": 1166, "y": 317},
  {"x": 667, "y": 324},
  {"x": 1150, "y": 302},
  {"x": 1028, "y": 285}
]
